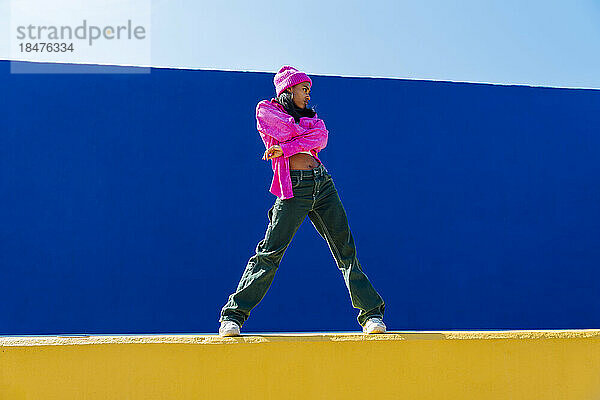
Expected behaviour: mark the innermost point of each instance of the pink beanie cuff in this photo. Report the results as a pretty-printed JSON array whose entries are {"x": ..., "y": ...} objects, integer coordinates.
[{"x": 288, "y": 76}]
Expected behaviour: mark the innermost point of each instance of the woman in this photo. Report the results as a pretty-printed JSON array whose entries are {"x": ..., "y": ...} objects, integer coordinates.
[{"x": 293, "y": 135}]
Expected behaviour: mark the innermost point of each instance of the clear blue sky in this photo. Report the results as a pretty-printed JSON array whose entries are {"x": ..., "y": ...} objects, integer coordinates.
[{"x": 549, "y": 43}]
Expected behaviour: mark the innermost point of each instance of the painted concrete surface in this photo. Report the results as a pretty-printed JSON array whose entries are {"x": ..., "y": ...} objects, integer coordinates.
[{"x": 437, "y": 365}]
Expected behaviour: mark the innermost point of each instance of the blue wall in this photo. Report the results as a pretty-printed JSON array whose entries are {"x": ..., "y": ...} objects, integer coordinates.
[{"x": 131, "y": 204}]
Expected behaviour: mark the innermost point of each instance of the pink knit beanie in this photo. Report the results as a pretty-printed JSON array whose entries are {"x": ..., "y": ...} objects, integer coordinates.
[{"x": 289, "y": 76}]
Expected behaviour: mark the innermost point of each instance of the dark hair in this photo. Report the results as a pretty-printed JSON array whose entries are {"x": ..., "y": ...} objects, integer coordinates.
[{"x": 285, "y": 99}]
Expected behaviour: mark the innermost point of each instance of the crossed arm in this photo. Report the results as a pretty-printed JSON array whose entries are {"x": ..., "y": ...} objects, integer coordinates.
[
  {"x": 315, "y": 138},
  {"x": 291, "y": 137}
]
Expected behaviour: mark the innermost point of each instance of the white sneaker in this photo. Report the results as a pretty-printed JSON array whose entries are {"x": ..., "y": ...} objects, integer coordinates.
[
  {"x": 229, "y": 328},
  {"x": 374, "y": 325}
]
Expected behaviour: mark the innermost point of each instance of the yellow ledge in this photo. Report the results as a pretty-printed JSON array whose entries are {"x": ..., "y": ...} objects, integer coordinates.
[{"x": 549, "y": 364}]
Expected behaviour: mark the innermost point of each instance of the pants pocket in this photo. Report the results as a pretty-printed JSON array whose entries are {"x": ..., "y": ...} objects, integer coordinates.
[{"x": 295, "y": 181}]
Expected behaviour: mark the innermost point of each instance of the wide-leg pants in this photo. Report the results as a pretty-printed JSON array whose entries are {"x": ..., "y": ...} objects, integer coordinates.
[{"x": 315, "y": 195}]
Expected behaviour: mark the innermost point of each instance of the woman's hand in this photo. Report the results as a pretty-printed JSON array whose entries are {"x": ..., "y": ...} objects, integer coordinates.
[{"x": 272, "y": 152}]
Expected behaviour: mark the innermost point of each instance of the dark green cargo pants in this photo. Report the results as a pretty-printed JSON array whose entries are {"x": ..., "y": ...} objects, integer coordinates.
[{"x": 315, "y": 195}]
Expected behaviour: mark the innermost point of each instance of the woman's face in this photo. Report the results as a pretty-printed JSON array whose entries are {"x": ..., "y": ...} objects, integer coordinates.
[{"x": 300, "y": 94}]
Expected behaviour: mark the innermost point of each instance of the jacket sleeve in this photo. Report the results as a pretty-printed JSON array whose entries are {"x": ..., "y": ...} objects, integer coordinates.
[
  {"x": 315, "y": 138},
  {"x": 309, "y": 123},
  {"x": 275, "y": 123}
]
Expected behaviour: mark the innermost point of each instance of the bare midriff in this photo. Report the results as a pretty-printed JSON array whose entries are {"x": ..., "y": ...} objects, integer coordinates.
[{"x": 303, "y": 161}]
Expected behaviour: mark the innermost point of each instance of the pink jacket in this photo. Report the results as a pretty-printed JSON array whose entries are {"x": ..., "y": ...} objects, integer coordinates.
[{"x": 278, "y": 127}]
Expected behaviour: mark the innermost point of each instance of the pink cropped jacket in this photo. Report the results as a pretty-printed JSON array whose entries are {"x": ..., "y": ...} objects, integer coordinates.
[{"x": 278, "y": 127}]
